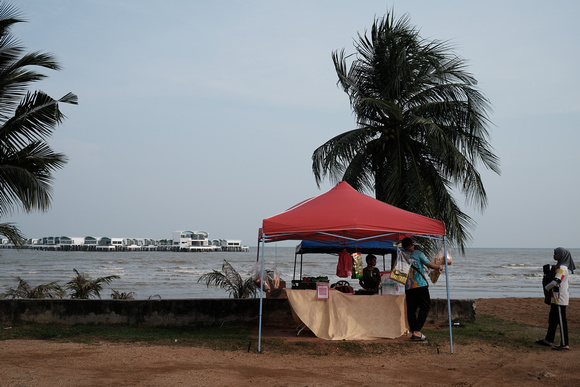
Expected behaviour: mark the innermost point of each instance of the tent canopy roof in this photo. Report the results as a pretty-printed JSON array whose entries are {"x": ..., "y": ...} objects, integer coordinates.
[
  {"x": 343, "y": 213},
  {"x": 335, "y": 247}
]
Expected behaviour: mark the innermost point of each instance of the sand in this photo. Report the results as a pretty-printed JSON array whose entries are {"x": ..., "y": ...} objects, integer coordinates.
[{"x": 44, "y": 363}]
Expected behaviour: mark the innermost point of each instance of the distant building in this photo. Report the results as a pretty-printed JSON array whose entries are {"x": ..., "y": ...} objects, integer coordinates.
[
  {"x": 187, "y": 238},
  {"x": 182, "y": 240},
  {"x": 231, "y": 245}
]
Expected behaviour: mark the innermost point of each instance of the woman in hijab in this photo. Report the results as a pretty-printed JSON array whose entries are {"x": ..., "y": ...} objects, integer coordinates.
[{"x": 560, "y": 296}]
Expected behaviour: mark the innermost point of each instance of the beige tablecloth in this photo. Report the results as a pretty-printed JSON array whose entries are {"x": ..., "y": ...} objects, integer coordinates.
[{"x": 350, "y": 317}]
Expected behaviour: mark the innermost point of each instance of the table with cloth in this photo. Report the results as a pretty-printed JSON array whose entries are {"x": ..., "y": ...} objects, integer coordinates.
[{"x": 349, "y": 317}]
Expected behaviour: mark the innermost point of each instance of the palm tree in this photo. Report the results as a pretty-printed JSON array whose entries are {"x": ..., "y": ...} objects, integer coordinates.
[
  {"x": 117, "y": 295},
  {"x": 27, "y": 119},
  {"x": 83, "y": 287},
  {"x": 230, "y": 280},
  {"x": 25, "y": 290},
  {"x": 421, "y": 126}
]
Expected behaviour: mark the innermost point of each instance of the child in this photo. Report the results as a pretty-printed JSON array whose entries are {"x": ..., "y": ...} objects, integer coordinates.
[{"x": 371, "y": 278}]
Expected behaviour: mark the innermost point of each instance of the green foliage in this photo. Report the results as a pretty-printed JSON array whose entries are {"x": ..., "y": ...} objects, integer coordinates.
[
  {"x": 83, "y": 287},
  {"x": 27, "y": 120},
  {"x": 230, "y": 280},
  {"x": 421, "y": 126},
  {"x": 116, "y": 295},
  {"x": 10, "y": 231},
  {"x": 222, "y": 337},
  {"x": 80, "y": 287},
  {"x": 25, "y": 290},
  {"x": 235, "y": 336}
]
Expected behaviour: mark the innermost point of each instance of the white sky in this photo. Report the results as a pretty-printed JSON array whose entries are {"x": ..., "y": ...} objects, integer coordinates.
[{"x": 203, "y": 115}]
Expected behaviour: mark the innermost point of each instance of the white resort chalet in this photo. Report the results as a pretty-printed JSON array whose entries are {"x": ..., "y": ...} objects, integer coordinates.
[{"x": 182, "y": 240}]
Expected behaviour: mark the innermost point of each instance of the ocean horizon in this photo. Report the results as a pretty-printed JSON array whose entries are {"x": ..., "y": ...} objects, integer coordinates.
[{"x": 480, "y": 273}]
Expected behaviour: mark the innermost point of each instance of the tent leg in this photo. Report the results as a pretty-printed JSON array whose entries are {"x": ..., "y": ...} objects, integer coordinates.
[
  {"x": 258, "y": 251},
  {"x": 261, "y": 299},
  {"x": 295, "y": 259},
  {"x": 448, "y": 297}
]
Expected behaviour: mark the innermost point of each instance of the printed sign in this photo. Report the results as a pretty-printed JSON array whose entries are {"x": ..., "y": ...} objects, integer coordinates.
[{"x": 322, "y": 290}]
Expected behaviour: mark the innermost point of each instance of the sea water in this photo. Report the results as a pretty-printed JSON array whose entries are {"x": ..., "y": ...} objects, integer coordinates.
[{"x": 480, "y": 273}]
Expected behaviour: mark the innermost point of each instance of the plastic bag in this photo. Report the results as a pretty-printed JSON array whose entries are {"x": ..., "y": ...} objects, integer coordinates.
[
  {"x": 434, "y": 275},
  {"x": 390, "y": 286},
  {"x": 275, "y": 278},
  {"x": 400, "y": 272},
  {"x": 438, "y": 259},
  {"x": 256, "y": 274},
  {"x": 357, "y": 266}
]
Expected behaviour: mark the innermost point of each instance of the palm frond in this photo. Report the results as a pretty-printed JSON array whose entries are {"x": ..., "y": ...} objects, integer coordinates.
[
  {"x": 27, "y": 175},
  {"x": 422, "y": 125},
  {"x": 27, "y": 120},
  {"x": 12, "y": 233},
  {"x": 82, "y": 286},
  {"x": 43, "y": 291},
  {"x": 230, "y": 280},
  {"x": 34, "y": 119}
]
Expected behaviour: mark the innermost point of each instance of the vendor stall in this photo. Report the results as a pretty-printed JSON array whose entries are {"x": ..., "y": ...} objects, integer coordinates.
[
  {"x": 375, "y": 247},
  {"x": 343, "y": 214},
  {"x": 349, "y": 317}
]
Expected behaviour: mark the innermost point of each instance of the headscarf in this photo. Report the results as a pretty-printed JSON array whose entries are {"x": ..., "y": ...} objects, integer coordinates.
[{"x": 565, "y": 258}]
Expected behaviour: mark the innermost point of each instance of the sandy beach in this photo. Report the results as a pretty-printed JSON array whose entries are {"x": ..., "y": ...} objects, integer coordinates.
[{"x": 45, "y": 363}]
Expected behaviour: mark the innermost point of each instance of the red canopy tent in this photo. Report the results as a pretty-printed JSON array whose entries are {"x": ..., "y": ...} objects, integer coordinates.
[{"x": 348, "y": 215}]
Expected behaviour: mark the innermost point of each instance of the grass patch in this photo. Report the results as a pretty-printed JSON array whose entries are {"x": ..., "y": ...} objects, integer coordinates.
[
  {"x": 496, "y": 332},
  {"x": 241, "y": 337},
  {"x": 225, "y": 337}
]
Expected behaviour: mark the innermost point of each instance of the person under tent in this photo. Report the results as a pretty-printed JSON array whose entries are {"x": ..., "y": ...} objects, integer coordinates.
[{"x": 371, "y": 278}]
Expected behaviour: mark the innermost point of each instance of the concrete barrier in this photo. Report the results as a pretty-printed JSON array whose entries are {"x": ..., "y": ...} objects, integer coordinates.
[{"x": 179, "y": 312}]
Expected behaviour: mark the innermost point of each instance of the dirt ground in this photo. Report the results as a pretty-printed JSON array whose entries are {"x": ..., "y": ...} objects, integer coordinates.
[{"x": 43, "y": 363}]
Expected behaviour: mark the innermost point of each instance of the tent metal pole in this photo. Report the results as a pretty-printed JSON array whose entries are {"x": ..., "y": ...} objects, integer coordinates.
[
  {"x": 448, "y": 297},
  {"x": 295, "y": 259},
  {"x": 261, "y": 299}
]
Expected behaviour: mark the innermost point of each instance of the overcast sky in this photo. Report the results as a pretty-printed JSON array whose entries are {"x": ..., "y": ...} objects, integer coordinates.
[{"x": 203, "y": 115}]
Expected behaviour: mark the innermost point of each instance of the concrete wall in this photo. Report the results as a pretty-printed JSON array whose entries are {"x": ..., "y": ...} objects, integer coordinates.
[{"x": 178, "y": 312}]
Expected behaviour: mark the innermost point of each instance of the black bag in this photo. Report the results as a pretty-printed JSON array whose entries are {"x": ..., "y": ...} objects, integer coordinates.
[
  {"x": 549, "y": 275},
  {"x": 343, "y": 287}
]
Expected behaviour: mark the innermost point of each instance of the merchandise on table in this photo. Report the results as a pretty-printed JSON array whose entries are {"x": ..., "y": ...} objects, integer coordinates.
[
  {"x": 390, "y": 286},
  {"x": 308, "y": 282}
]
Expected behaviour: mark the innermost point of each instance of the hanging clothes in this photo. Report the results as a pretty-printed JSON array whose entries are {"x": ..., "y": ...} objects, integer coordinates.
[{"x": 344, "y": 267}]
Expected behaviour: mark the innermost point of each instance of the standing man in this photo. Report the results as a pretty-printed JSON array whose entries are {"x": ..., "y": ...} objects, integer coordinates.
[{"x": 417, "y": 289}]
